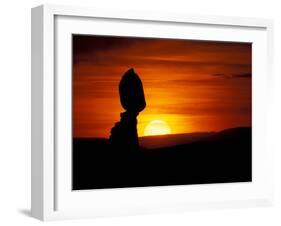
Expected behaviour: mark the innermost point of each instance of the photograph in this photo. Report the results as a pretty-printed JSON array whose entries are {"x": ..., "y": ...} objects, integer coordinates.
[{"x": 160, "y": 112}]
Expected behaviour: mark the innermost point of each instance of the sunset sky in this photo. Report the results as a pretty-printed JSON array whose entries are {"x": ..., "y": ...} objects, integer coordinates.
[{"x": 190, "y": 85}]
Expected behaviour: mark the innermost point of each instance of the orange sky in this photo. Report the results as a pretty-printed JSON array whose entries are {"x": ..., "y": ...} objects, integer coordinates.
[{"x": 191, "y": 85}]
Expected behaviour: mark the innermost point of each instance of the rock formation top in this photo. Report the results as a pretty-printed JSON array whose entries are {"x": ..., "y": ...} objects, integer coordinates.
[{"x": 131, "y": 92}]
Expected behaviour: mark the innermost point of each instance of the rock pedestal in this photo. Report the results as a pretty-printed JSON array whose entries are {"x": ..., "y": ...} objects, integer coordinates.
[{"x": 124, "y": 135}]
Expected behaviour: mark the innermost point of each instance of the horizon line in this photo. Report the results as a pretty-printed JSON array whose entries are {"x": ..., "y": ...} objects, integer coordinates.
[{"x": 168, "y": 134}]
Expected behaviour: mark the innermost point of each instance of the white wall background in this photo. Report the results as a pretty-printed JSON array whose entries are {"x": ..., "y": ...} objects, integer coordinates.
[{"x": 15, "y": 112}]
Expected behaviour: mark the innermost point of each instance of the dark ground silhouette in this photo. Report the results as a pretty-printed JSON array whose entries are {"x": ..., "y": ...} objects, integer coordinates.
[{"x": 212, "y": 158}]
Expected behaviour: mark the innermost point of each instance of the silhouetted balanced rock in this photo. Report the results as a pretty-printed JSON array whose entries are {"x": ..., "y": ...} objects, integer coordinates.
[{"x": 124, "y": 135}]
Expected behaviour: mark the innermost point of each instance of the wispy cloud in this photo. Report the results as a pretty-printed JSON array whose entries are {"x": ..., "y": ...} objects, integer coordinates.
[{"x": 229, "y": 76}]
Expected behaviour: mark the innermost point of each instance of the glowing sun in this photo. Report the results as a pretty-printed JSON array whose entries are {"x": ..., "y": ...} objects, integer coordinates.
[{"x": 157, "y": 127}]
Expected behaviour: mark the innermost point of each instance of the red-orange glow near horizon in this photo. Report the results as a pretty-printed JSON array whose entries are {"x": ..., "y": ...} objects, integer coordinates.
[{"x": 189, "y": 85}]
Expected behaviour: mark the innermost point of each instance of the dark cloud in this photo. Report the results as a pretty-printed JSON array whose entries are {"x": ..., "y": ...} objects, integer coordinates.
[
  {"x": 114, "y": 49},
  {"x": 246, "y": 75},
  {"x": 229, "y": 76},
  {"x": 87, "y": 47}
]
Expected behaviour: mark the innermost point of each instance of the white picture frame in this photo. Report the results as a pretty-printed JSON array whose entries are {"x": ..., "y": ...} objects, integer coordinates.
[{"x": 52, "y": 197}]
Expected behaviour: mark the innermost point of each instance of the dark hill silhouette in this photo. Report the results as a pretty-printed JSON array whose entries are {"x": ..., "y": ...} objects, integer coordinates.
[
  {"x": 158, "y": 141},
  {"x": 212, "y": 157}
]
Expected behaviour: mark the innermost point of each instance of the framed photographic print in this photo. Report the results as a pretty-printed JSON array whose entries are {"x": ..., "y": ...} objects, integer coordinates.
[{"x": 137, "y": 112}]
